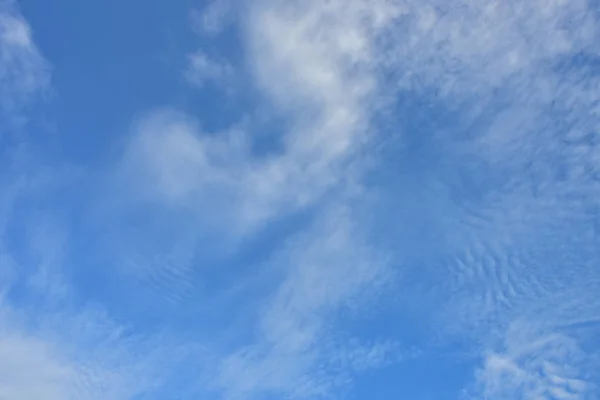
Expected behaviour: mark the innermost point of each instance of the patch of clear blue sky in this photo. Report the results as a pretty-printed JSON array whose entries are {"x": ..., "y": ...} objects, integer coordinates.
[{"x": 114, "y": 60}]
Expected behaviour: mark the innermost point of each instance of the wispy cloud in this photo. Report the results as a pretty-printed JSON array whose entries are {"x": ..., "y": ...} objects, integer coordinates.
[
  {"x": 510, "y": 254},
  {"x": 33, "y": 368},
  {"x": 327, "y": 72},
  {"x": 312, "y": 62},
  {"x": 296, "y": 350},
  {"x": 534, "y": 365},
  {"x": 75, "y": 355},
  {"x": 24, "y": 73},
  {"x": 323, "y": 83},
  {"x": 331, "y": 68},
  {"x": 213, "y": 18},
  {"x": 459, "y": 48},
  {"x": 49, "y": 348},
  {"x": 202, "y": 70},
  {"x": 517, "y": 80}
]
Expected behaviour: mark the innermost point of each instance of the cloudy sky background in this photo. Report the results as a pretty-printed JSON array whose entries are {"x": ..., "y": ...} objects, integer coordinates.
[{"x": 342, "y": 199}]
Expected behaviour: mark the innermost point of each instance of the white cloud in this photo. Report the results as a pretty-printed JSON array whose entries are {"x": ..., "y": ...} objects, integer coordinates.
[
  {"x": 63, "y": 357},
  {"x": 533, "y": 365},
  {"x": 318, "y": 61},
  {"x": 320, "y": 64},
  {"x": 51, "y": 346},
  {"x": 202, "y": 69},
  {"x": 23, "y": 71},
  {"x": 48, "y": 348},
  {"x": 171, "y": 160},
  {"x": 313, "y": 63},
  {"x": 213, "y": 18},
  {"x": 524, "y": 245},
  {"x": 37, "y": 263},
  {"x": 328, "y": 269},
  {"x": 29, "y": 371},
  {"x": 510, "y": 252},
  {"x": 457, "y": 49},
  {"x": 504, "y": 73}
]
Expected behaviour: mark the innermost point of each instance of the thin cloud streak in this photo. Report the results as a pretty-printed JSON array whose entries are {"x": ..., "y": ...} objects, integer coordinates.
[
  {"x": 24, "y": 73},
  {"x": 328, "y": 270}
]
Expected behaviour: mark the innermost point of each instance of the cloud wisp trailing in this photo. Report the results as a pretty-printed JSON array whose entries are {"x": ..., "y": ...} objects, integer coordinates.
[
  {"x": 24, "y": 73},
  {"x": 534, "y": 366},
  {"x": 296, "y": 350}
]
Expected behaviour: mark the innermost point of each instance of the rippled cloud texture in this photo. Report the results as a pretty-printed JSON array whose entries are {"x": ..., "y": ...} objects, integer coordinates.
[{"x": 343, "y": 199}]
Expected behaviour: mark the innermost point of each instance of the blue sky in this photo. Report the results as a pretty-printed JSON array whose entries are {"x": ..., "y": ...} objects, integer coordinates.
[{"x": 269, "y": 199}]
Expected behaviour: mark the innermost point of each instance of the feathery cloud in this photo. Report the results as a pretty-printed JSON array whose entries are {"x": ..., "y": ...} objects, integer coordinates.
[
  {"x": 24, "y": 73},
  {"x": 533, "y": 365},
  {"x": 202, "y": 70}
]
